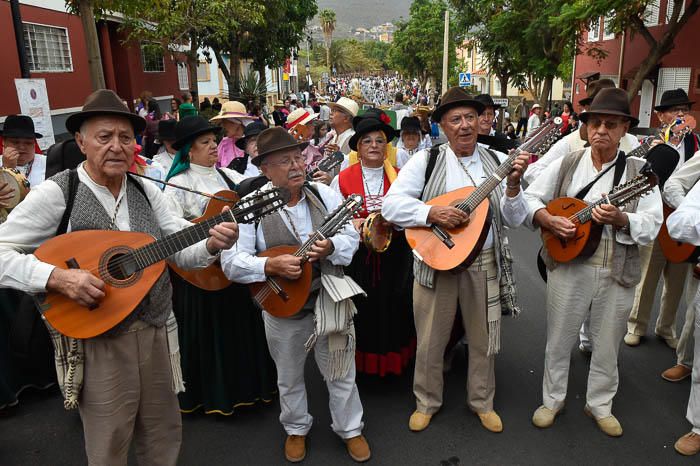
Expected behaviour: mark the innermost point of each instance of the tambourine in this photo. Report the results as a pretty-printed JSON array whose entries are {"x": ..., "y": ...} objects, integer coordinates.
[
  {"x": 18, "y": 182},
  {"x": 376, "y": 232}
]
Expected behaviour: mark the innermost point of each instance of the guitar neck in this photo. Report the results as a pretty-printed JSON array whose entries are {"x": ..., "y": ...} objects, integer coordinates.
[
  {"x": 620, "y": 197},
  {"x": 641, "y": 151},
  {"x": 159, "y": 250}
]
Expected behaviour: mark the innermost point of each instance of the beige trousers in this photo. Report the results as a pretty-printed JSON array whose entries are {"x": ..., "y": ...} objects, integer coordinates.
[
  {"x": 127, "y": 394},
  {"x": 434, "y": 313},
  {"x": 654, "y": 264}
]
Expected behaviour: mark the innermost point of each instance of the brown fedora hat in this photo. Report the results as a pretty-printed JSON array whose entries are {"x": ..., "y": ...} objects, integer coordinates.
[
  {"x": 594, "y": 88},
  {"x": 456, "y": 97},
  {"x": 274, "y": 140},
  {"x": 611, "y": 101},
  {"x": 104, "y": 102}
]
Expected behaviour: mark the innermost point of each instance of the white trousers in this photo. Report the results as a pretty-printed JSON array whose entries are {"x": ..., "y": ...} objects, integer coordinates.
[
  {"x": 693, "y": 414},
  {"x": 686, "y": 343},
  {"x": 576, "y": 292},
  {"x": 286, "y": 338}
]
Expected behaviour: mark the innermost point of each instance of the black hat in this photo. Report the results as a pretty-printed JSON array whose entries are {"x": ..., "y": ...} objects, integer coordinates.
[
  {"x": 19, "y": 126},
  {"x": 672, "y": 98},
  {"x": 166, "y": 130},
  {"x": 190, "y": 127},
  {"x": 253, "y": 129},
  {"x": 274, "y": 140},
  {"x": 611, "y": 101},
  {"x": 456, "y": 97},
  {"x": 411, "y": 124},
  {"x": 487, "y": 100},
  {"x": 104, "y": 102},
  {"x": 367, "y": 125},
  {"x": 594, "y": 87}
]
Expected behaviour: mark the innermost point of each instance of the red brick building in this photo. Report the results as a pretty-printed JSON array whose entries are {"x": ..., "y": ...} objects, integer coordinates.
[
  {"x": 56, "y": 51},
  {"x": 678, "y": 69}
]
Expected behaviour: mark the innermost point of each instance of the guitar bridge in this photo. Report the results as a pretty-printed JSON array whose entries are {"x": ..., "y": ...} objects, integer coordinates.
[{"x": 444, "y": 236}]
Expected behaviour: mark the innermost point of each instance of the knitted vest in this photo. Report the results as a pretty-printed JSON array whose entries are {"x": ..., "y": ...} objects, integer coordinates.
[
  {"x": 88, "y": 214},
  {"x": 625, "y": 267}
]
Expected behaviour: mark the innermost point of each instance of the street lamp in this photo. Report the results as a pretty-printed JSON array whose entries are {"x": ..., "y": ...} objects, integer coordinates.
[{"x": 308, "y": 75}]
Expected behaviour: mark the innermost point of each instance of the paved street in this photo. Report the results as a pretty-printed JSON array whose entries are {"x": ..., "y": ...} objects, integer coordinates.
[{"x": 652, "y": 412}]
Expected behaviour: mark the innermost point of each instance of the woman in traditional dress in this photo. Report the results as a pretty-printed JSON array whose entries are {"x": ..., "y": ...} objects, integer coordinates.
[
  {"x": 225, "y": 360},
  {"x": 384, "y": 322}
]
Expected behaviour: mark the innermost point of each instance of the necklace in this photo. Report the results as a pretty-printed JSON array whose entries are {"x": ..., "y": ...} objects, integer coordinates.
[
  {"x": 292, "y": 224},
  {"x": 466, "y": 171},
  {"x": 373, "y": 202},
  {"x": 113, "y": 223}
]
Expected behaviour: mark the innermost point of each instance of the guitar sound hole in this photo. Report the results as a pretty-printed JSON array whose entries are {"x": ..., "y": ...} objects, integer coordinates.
[{"x": 118, "y": 268}]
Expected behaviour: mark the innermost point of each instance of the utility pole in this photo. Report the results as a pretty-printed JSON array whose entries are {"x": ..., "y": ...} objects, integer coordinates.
[
  {"x": 19, "y": 38},
  {"x": 445, "y": 51}
]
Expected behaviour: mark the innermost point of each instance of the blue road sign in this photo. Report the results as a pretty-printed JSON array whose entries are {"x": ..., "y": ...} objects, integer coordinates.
[{"x": 465, "y": 79}]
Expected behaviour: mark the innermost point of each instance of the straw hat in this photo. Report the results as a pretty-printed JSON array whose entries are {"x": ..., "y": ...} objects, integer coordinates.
[{"x": 233, "y": 110}]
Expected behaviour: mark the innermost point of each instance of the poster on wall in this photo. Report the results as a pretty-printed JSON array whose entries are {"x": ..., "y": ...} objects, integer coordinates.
[{"x": 34, "y": 101}]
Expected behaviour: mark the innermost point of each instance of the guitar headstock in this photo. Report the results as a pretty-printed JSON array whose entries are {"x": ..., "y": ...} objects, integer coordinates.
[
  {"x": 682, "y": 126},
  {"x": 543, "y": 137},
  {"x": 635, "y": 188},
  {"x": 259, "y": 204},
  {"x": 342, "y": 214},
  {"x": 302, "y": 133},
  {"x": 330, "y": 162}
]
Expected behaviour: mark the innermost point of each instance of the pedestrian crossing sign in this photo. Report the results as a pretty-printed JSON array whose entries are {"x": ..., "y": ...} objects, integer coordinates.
[{"x": 465, "y": 79}]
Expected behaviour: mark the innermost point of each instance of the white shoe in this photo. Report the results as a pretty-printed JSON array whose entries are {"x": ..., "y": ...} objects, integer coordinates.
[{"x": 632, "y": 340}]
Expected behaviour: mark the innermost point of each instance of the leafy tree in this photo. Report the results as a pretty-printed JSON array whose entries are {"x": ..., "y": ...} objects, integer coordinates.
[
  {"x": 417, "y": 46},
  {"x": 327, "y": 19},
  {"x": 625, "y": 15}
]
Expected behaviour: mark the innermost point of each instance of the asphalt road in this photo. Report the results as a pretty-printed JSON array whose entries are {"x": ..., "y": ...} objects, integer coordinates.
[{"x": 652, "y": 412}]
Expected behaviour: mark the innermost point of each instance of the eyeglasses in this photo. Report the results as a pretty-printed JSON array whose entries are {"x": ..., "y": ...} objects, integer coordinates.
[
  {"x": 368, "y": 141},
  {"x": 678, "y": 109},
  {"x": 287, "y": 163},
  {"x": 609, "y": 124}
]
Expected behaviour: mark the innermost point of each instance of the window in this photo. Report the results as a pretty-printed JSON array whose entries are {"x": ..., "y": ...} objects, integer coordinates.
[
  {"x": 497, "y": 86},
  {"x": 182, "y": 77},
  {"x": 578, "y": 88},
  {"x": 669, "y": 9},
  {"x": 152, "y": 58},
  {"x": 651, "y": 14},
  {"x": 47, "y": 48},
  {"x": 203, "y": 73},
  {"x": 607, "y": 27},
  {"x": 672, "y": 78},
  {"x": 594, "y": 31}
]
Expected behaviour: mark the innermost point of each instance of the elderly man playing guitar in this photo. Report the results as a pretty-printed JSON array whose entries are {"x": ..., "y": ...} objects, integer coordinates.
[
  {"x": 474, "y": 289},
  {"x": 601, "y": 285},
  {"x": 324, "y": 321},
  {"x": 129, "y": 374}
]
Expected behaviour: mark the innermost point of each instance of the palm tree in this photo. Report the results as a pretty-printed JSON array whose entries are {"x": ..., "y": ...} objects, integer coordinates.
[{"x": 327, "y": 19}]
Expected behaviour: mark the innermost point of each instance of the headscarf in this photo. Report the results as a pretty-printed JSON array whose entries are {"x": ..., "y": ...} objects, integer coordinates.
[{"x": 181, "y": 161}]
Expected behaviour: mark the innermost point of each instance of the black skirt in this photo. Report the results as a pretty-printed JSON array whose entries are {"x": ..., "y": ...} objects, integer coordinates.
[
  {"x": 224, "y": 355},
  {"x": 386, "y": 336}
]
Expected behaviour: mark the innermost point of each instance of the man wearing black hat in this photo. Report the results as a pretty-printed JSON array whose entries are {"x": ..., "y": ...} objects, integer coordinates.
[
  {"x": 488, "y": 136},
  {"x": 601, "y": 286},
  {"x": 674, "y": 106},
  {"x": 125, "y": 381},
  {"x": 331, "y": 327},
  {"x": 18, "y": 148},
  {"x": 477, "y": 290},
  {"x": 166, "y": 135}
]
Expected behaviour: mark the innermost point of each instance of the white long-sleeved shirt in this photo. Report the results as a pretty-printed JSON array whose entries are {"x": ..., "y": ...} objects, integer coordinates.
[
  {"x": 36, "y": 219},
  {"x": 533, "y": 122},
  {"x": 205, "y": 179},
  {"x": 570, "y": 143},
  {"x": 644, "y": 223},
  {"x": 684, "y": 224},
  {"x": 682, "y": 181},
  {"x": 241, "y": 264},
  {"x": 37, "y": 170},
  {"x": 164, "y": 158},
  {"x": 403, "y": 206}
]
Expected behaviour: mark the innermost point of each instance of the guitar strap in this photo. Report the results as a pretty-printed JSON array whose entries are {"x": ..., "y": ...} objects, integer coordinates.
[
  {"x": 229, "y": 182},
  {"x": 432, "y": 160},
  {"x": 619, "y": 165}
]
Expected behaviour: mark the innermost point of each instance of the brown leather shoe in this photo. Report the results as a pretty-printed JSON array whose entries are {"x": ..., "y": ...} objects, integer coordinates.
[
  {"x": 295, "y": 448},
  {"x": 689, "y": 444},
  {"x": 419, "y": 421},
  {"x": 358, "y": 448},
  {"x": 491, "y": 421},
  {"x": 676, "y": 373}
]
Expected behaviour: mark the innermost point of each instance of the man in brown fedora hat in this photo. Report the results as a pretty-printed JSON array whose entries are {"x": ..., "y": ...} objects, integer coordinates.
[
  {"x": 476, "y": 291},
  {"x": 329, "y": 325},
  {"x": 124, "y": 382},
  {"x": 672, "y": 108},
  {"x": 602, "y": 286}
]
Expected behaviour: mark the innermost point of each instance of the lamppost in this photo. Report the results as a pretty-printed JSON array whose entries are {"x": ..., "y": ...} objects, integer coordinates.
[{"x": 308, "y": 75}]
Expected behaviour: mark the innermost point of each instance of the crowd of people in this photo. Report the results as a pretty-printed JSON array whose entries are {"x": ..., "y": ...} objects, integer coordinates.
[{"x": 373, "y": 307}]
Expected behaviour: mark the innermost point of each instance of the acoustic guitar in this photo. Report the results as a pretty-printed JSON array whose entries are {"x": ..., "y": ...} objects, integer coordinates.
[
  {"x": 587, "y": 237},
  {"x": 211, "y": 278},
  {"x": 284, "y": 298},
  {"x": 129, "y": 263},
  {"x": 444, "y": 249},
  {"x": 675, "y": 251}
]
